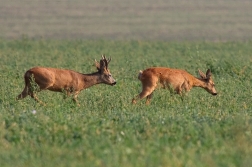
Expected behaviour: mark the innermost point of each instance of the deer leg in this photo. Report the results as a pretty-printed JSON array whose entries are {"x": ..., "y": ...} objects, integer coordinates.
[
  {"x": 179, "y": 90},
  {"x": 162, "y": 85},
  {"x": 148, "y": 98},
  {"x": 139, "y": 97},
  {"x": 27, "y": 92},
  {"x": 147, "y": 92},
  {"x": 75, "y": 97},
  {"x": 66, "y": 94},
  {"x": 33, "y": 95},
  {"x": 148, "y": 87},
  {"x": 23, "y": 94}
]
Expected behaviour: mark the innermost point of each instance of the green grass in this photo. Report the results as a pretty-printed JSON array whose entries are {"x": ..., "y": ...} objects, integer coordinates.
[{"x": 106, "y": 130}]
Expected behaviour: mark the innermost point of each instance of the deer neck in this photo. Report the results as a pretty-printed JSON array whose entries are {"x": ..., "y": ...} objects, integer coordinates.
[
  {"x": 91, "y": 79},
  {"x": 198, "y": 82}
]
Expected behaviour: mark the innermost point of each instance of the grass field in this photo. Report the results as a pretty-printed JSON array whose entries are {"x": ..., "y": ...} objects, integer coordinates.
[{"x": 106, "y": 130}]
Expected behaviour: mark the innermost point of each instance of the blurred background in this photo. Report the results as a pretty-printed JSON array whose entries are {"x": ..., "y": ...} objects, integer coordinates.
[{"x": 170, "y": 20}]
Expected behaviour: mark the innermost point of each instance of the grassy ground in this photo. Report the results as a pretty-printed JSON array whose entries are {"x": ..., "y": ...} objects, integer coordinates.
[
  {"x": 106, "y": 130},
  {"x": 213, "y": 20}
]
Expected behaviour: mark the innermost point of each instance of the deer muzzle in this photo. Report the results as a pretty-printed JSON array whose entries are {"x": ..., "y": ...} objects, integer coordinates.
[
  {"x": 214, "y": 94},
  {"x": 113, "y": 83}
]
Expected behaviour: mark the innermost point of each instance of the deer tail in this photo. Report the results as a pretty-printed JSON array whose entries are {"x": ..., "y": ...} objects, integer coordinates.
[{"x": 140, "y": 74}]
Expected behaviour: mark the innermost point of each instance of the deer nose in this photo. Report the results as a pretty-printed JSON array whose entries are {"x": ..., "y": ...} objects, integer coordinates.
[
  {"x": 214, "y": 94},
  {"x": 113, "y": 83}
]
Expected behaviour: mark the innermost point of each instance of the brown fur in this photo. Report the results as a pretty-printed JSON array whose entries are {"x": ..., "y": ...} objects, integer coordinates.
[
  {"x": 62, "y": 80},
  {"x": 176, "y": 79}
]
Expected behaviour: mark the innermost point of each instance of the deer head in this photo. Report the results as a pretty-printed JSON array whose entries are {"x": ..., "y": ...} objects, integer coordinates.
[
  {"x": 102, "y": 68},
  {"x": 209, "y": 83}
]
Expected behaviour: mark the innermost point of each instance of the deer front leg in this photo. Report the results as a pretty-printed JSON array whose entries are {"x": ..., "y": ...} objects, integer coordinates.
[
  {"x": 179, "y": 90},
  {"x": 75, "y": 97},
  {"x": 66, "y": 94}
]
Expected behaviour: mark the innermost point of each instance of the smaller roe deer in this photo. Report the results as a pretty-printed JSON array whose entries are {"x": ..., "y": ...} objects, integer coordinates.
[
  {"x": 62, "y": 80},
  {"x": 176, "y": 79}
]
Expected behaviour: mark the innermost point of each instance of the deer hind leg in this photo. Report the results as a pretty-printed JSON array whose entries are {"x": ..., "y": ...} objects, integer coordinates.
[
  {"x": 147, "y": 91},
  {"x": 31, "y": 92},
  {"x": 23, "y": 94},
  {"x": 148, "y": 98},
  {"x": 26, "y": 90},
  {"x": 33, "y": 95}
]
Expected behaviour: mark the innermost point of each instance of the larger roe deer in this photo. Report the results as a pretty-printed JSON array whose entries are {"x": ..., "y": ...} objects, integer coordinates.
[
  {"x": 176, "y": 79},
  {"x": 63, "y": 80}
]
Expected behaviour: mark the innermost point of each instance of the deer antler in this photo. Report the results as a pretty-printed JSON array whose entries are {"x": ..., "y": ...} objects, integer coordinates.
[{"x": 106, "y": 61}]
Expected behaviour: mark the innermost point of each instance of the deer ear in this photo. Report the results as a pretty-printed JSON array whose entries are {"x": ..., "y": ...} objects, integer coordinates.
[
  {"x": 208, "y": 74},
  {"x": 202, "y": 75},
  {"x": 97, "y": 65}
]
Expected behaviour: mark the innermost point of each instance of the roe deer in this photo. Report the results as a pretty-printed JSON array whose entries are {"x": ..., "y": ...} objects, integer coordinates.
[
  {"x": 176, "y": 79},
  {"x": 63, "y": 80}
]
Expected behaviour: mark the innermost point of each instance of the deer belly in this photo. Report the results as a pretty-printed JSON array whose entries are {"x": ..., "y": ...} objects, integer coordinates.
[
  {"x": 55, "y": 89},
  {"x": 170, "y": 83}
]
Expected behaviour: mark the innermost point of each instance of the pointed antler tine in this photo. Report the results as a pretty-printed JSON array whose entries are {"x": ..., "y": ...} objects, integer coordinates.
[
  {"x": 96, "y": 62},
  {"x": 109, "y": 59},
  {"x": 103, "y": 57}
]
